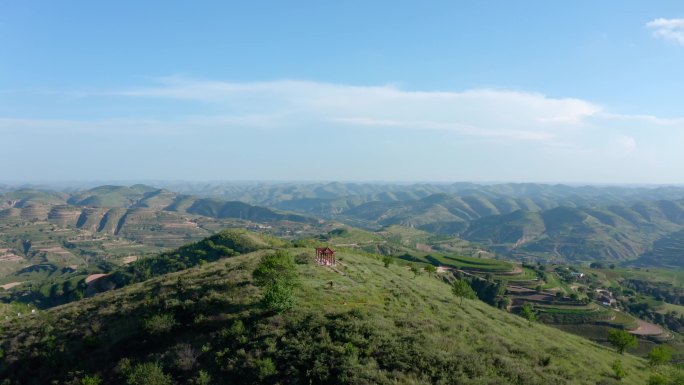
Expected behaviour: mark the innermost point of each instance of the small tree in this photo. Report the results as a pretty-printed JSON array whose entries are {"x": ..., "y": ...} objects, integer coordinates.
[
  {"x": 659, "y": 355},
  {"x": 618, "y": 370},
  {"x": 527, "y": 312},
  {"x": 387, "y": 260},
  {"x": 621, "y": 340},
  {"x": 277, "y": 274},
  {"x": 430, "y": 269},
  {"x": 277, "y": 266},
  {"x": 278, "y": 296},
  {"x": 415, "y": 270},
  {"x": 462, "y": 289}
]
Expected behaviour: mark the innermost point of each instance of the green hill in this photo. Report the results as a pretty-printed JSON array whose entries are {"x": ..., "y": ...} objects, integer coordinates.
[{"x": 359, "y": 323}]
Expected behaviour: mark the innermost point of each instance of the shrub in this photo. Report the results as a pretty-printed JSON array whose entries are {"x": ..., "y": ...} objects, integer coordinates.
[
  {"x": 415, "y": 270},
  {"x": 159, "y": 324},
  {"x": 278, "y": 297},
  {"x": 618, "y": 370},
  {"x": 659, "y": 355},
  {"x": 278, "y": 266},
  {"x": 148, "y": 373},
  {"x": 186, "y": 357},
  {"x": 91, "y": 380},
  {"x": 527, "y": 312},
  {"x": 658, "y": 379},
  {"x": 264, "y": 368},
  {"x": 303, "y": 259},
  {"x": 203, "y": 378},
  {"x": 387, "y": 260}
]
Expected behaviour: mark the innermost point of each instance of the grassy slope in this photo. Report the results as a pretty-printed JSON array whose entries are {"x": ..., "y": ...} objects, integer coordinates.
[{"x": 372, "y": 325}]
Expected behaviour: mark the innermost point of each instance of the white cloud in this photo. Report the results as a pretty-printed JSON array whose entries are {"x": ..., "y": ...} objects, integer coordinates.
[
  {"x": 502, "y": 114},
  {"x": 668, "y": 29},
  {"x": 484, "y": 133}
]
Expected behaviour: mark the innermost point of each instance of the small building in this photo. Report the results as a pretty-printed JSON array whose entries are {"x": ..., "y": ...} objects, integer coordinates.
[{"x": 325, "y": 256}]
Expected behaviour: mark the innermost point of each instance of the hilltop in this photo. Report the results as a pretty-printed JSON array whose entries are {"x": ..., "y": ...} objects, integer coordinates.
[{"x": 360, "y": 322}]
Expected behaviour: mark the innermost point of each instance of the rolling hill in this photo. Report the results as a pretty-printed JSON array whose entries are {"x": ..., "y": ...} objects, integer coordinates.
[
  {"x": 357, "y": 323},
  {"x": 115, "y": 224}
]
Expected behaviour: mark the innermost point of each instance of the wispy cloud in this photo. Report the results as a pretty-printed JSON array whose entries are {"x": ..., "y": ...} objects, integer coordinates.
[
  {"x": 504, "y": 114},
  {"x": 668, "y": 29},
  {"x": 509, "y": 132}
]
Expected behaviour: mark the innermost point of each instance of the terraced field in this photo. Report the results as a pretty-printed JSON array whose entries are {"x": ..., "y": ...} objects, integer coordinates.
[{"x": 480, "y": 265}]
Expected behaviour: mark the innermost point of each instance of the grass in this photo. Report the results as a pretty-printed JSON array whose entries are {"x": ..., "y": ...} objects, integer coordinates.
[
  {"x": 390, "y": 304},
  {"x": 371, "y": 323}
]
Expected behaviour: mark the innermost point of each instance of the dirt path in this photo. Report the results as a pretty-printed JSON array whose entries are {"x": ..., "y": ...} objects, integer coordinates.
[
  {"x": 130, "y": 259},
  {"x": 647, "y": 329},
  {"x": 10, "y": 285},
  {"x": 94, "y": 277}
]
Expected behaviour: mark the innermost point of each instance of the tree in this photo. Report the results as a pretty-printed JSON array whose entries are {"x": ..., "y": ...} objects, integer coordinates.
[
  {"x": 415, "y": 270},
  {"x": 659, "y": 355},
  {"x": 527, "y": 312},
  {"x": 278, "y": 296},
  {"x": 462, "y": 289},
  {"x": 277, "y": 266},
  {"x": 387, "y": 260},
  {"x": 430, "y": 269},
  {"x": 618, "y": 370},
  {"x": 277, "y": 274},
  {"x": 621, "y": 340}
]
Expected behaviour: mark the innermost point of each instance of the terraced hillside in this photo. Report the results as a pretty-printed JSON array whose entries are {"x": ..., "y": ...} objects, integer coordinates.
[
  {"x": 560, "y": 233},
  {"x": 44, "y": 232},
  {"x": 356, "y": 323},
  {"x": 667, "y": 251}
]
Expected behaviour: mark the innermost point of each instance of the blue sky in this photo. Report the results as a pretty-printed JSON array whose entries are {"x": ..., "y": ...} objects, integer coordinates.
[{"x": 534, "y": 91}]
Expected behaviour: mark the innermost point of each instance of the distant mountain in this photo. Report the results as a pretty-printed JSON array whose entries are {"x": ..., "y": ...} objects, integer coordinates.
[
  {"x": 104, "y": 208},
  {"x": 315, "y": 196}
]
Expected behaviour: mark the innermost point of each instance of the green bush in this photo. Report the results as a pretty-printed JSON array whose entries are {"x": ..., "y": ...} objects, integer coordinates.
[
  {"x": 159, "y": 324},
  {"x": 203, "y": 378},
  {"x": 658, "y": 379},
  {"x": 303, "y": 259},
  {"x": 279, "y": 266},
  {"x": 264, "y": 368},
  {"x": 618, "y": 370},
  {"x": 277, "y": 274},
  {"x": 659, "y": 355},
  {"x": 278, "y": 297},
  {"x": 91, "y": 380},
  {"x": 148, "y": 373}
]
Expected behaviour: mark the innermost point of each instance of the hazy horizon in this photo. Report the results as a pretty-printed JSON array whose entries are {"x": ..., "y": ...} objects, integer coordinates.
[
  {"x": 171, "y": 183},
  {"x": 535, "y": 91}
]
